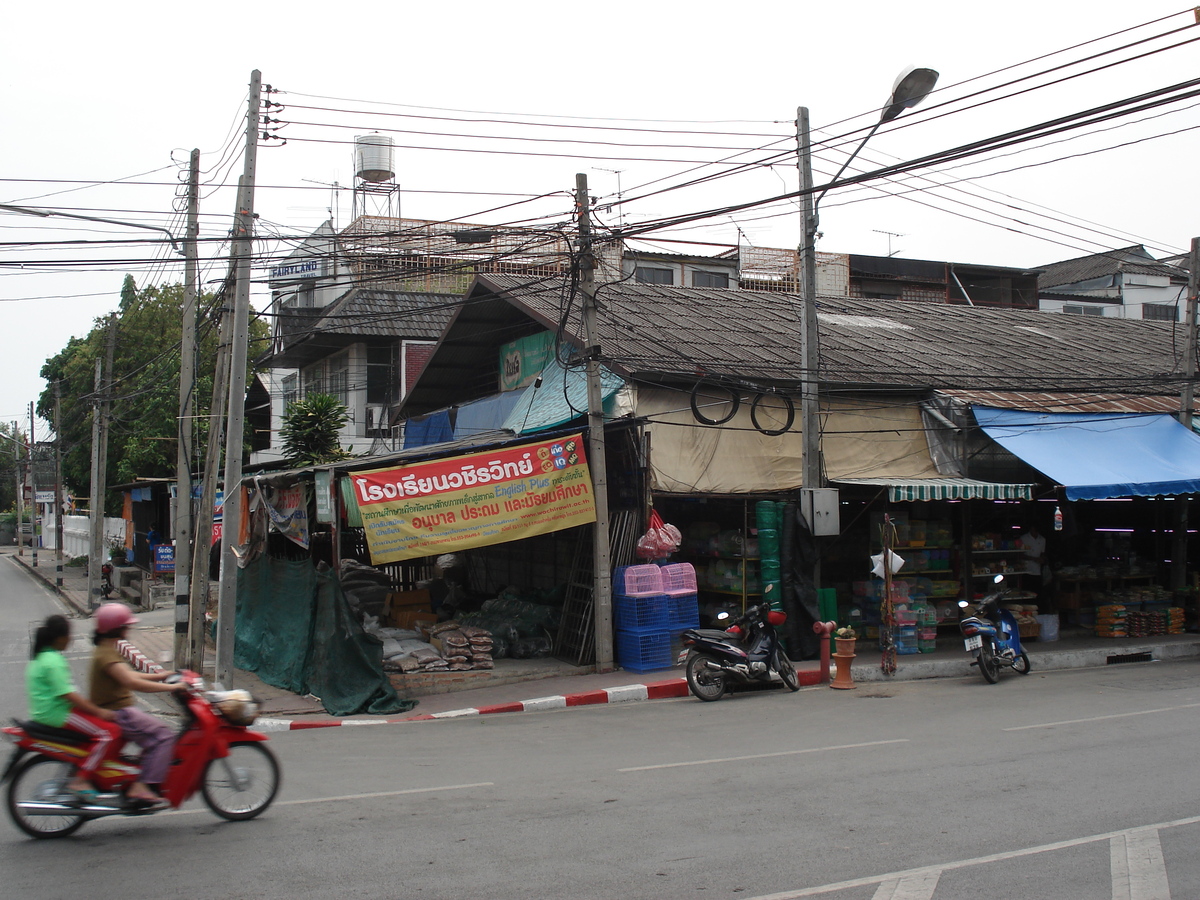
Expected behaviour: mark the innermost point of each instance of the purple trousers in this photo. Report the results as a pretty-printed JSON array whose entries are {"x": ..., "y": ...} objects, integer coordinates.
[{"x": 156, "y": 740}]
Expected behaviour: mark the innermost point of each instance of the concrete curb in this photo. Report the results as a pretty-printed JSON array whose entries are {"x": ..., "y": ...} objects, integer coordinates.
[{"x": 629, "y": 693}]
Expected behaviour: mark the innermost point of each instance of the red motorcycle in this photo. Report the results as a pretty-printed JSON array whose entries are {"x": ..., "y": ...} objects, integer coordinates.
[{"x": 215, "y": 754}]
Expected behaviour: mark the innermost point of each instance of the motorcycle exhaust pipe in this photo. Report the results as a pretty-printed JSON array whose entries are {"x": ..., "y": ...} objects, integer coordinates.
[{"x": 91, "y": 811}]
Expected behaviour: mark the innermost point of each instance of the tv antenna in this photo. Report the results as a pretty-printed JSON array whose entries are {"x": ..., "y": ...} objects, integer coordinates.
[
  {"x": 608, "y": 207},
  {"x": 332, "y": 208},
  {"x": 890, "y": 234}
]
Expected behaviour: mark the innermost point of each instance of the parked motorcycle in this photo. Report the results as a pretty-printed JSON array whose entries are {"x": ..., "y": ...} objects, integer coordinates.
[
  {"x": 746, "y": 652},
  {"x": 215, "y": 754},
  {"x": 106, "y": 582},
  {"x": 992, "y": 636}
]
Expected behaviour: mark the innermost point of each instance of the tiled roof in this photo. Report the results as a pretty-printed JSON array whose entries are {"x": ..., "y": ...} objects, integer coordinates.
[
  {"x": 656, "y": 331},
  {"x": 1134, "y": 260},
  {"x": 1068, "y": 403},
  {"x": 379, "y": 313}
]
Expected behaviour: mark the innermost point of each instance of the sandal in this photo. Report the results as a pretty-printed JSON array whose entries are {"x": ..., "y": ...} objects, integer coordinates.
[{"x": 82, "y": 796}]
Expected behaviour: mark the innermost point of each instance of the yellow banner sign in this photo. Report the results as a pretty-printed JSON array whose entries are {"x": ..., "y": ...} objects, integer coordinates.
[{"x": 471, "y": 501}]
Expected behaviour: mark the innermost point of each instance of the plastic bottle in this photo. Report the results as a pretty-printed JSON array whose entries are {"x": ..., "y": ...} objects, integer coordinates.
[{"x": 1057, "y": 519}]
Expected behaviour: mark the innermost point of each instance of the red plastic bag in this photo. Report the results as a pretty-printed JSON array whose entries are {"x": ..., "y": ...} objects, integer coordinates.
[{"x": 660, "y": 539}]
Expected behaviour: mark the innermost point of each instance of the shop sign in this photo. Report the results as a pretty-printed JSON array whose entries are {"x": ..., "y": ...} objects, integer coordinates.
[
  {"x": 44, "y": 497},
  {"x": 164, "y": 559},
  {"x": 471, "y": 501},
  {"x": 323, "y": 485},
  {"x": 523, "y": 360}
]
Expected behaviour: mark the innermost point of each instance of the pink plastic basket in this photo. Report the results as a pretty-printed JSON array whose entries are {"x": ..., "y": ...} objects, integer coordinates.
[{"x": 679, "y": 579}]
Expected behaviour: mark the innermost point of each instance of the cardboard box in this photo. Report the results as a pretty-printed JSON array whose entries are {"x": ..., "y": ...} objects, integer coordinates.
[
  {"x": 406, "y": 609},
  {"x": 412, "y": 619}
]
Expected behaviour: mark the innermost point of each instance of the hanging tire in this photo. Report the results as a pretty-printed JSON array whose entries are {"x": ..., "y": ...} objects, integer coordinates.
[
  {"x": 41, "y": 780},
  {"x": 987, "y": 662},
  {"x": 790, "y": 419},
  {"x": 243, "y": 784},
  {"x": 705, "y": 683},
  {"x": 787, "y": 672},
  {"x": 1021, "y": 664},
  {"x": 735, "y": 402}
]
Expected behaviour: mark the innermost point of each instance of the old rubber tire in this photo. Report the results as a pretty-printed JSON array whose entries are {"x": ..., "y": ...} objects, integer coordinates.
[
  {"x": 787, "y": 672},
  {"x": 987, "y": 662},
  {"x": 242, "y": 784},
  {"x": 40, "y": 778},
  {"x": 1021, "y": 664},
  {"x": 705, "y": 683}
]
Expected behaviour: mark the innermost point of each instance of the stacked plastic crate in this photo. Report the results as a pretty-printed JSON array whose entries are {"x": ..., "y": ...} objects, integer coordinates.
[{"x": 641, "y": 611}]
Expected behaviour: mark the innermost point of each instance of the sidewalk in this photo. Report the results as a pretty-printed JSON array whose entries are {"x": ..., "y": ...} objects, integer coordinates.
[{"x": 519, "y": 685}]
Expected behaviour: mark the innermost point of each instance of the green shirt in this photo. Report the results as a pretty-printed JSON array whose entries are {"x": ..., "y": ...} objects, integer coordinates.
[{"x": 48, "y": 681}]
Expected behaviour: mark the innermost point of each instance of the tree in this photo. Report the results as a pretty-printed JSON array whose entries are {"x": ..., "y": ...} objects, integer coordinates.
[
  {"x": 310, "y": 430},
  {"x": 144, "y": 386}
]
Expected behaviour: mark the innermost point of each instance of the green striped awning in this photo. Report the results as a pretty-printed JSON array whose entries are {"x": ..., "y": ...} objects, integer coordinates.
[{"x": 945, "y": 489}]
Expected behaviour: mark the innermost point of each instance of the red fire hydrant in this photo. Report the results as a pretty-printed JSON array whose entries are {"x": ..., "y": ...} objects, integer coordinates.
[{"x": 824, "y": 629}]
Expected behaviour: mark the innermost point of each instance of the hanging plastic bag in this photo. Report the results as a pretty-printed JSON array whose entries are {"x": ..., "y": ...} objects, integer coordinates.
[{"x": 660, "y": 540}]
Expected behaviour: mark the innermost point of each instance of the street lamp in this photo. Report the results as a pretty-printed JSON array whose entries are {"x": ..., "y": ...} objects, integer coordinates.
[{"x": 911, "y": 87}]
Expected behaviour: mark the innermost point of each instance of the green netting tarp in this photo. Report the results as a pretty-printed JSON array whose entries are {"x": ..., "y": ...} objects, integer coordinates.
[{"x": 295, "y": 631}]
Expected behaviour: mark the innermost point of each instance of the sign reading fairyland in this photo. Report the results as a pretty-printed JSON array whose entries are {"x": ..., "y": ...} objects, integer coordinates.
[{"x": 443, "y": 505}]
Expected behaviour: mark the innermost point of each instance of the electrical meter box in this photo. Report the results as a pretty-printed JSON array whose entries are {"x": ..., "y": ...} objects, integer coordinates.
[{"x": 820, "y": 507}]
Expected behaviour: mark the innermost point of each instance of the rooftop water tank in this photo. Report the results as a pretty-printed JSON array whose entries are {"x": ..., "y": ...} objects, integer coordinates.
[{"x": 373, "y": 158}]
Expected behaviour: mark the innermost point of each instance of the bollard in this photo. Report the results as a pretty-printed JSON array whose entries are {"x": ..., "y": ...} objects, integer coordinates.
[{"x": 824, "y": 629}]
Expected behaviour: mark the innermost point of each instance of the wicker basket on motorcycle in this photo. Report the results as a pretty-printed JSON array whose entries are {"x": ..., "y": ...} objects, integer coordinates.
[{"x": 238, "y": 708}]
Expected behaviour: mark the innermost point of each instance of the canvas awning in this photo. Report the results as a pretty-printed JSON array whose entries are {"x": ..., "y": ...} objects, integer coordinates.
[
  {"x": 945, "y": 489},
  {"x": 1100, "y": 455}
]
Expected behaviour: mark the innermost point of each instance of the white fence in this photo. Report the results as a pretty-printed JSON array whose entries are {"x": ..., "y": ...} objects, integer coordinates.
[{"x": 77, "y": 535}]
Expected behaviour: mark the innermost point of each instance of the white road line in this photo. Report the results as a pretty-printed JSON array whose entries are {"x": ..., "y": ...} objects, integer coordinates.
[
  {"x": 1140, "y": 712},
  {"x": 918, "y": 886},
  {"x": 1138, "y": 869},
  {"x": 869, "y": 880},
  {"x": 729, "y": 759},
  {"x": 372, "y": 796}
]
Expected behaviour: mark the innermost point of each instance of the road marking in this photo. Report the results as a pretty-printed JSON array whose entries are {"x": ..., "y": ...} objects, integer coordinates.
[
  {"x": 372, "y": 796},
  {"x": 1138, "y": 869},
  {"x": 729, "y": 759},
  {"x": 869, "y": 880},
  {"x": 919, "y": 886},
  {"x": 1140, "y": 712}
]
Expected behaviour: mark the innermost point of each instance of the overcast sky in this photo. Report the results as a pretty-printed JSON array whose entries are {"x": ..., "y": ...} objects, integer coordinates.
[{"x": 101, "y": 105}]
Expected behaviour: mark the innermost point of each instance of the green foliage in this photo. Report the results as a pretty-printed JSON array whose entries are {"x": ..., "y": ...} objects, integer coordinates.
[
  {"x": 144, "y": 387},
  {"x": 310, "y": 430},
  {"x": 12, "y": 455}
]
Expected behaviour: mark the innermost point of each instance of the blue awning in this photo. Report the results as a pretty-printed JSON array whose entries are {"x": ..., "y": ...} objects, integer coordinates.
[
  {"x": 560, "y": 398},
  {"x": 1100, "y": 455}
]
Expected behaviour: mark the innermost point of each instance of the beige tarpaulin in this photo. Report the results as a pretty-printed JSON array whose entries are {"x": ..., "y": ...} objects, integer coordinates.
[{"x": 861, "y": 439}]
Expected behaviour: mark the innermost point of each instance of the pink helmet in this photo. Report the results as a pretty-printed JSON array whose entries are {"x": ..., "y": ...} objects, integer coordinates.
[{"x": 112, "y": 617}]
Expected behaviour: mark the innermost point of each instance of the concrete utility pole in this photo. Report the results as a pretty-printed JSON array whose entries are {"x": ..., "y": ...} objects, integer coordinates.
[
  {"x": 809, "y": 356},
  {"x": 1179, "y": 545},
  {"x": 99, "y": 472},
  {"x": 33, "y": 510},
  {"x": 20, "y": 490},
  {"x": 58, "y": 486},
  {"x": 187, "y": 387},
  {"x": 601, "y": 567},
  {"x": 243, "y": 247}
]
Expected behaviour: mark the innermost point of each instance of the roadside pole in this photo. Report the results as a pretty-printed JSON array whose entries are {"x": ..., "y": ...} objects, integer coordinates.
[
  {"x": 1179, "y": 546},
  {"x": 58, "y": 487}
]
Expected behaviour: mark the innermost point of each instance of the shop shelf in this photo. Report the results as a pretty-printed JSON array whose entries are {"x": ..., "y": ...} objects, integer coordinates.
[
  {"x": 644, "y": 652},
  {"x": 637, "y": 581},
  {"x": 683, "y": 611},
  {"x": 642, "y": 615}
]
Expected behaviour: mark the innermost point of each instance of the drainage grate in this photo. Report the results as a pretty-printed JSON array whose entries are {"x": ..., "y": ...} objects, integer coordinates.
[{"x": 1129, "y": 657}]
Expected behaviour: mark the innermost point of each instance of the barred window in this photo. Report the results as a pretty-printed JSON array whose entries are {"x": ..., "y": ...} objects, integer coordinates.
[
  {"x": 648, "y": 275},
  {"x": 1161, "y": 312},
  {"x": 710, "y": 279}
]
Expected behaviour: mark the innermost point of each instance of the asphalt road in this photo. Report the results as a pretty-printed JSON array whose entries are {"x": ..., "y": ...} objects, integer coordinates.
[{"x": 1069, "y": 784}]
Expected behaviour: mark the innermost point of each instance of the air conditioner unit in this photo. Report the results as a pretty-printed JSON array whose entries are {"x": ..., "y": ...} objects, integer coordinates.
[{"x": 377, "y": 418}]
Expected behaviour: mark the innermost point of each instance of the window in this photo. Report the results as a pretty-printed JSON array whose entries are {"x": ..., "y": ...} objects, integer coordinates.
[
  {"x": 338, "y": 382},
  {"x": 647, "y": 275},
  {"x": 709, "y": 279},
  {"x": 314, "y": 379},
  {"x": 291, "y": 390},
  {"x": 1083, "y": 310},
  {"x": 1161, "y": 312}
]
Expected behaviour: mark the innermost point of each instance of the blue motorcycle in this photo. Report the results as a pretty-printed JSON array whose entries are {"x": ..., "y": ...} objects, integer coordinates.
[{"x": 992, "y": 636}]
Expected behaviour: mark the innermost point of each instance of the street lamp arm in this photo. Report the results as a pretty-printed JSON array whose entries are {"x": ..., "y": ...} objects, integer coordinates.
[{"x": 46, "y": 213}]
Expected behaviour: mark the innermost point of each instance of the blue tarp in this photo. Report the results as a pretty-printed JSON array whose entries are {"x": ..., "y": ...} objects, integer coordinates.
[
  {"x": 431, "y": 429},
  {"x": 561, "y": 397},
  {"x": 1100, "y": 455}
]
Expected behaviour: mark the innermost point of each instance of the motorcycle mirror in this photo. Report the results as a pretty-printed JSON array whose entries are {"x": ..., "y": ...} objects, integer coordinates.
[{"x": 998, "y": 579}]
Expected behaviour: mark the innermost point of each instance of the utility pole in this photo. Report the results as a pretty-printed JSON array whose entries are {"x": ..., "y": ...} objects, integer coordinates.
[
  {"x": 20, "y": 490},
  {"x": 58, "y": 486},
  {"x": 33, "y": 512},
  {"x": 601, "y": 567},
  {"x": 187, "y": 385},
  {"x": 809, "y": 356},
  {"x": 243, "y": 247},
  {"x": 99, "y": 472},
  {"x": 1180, "y": 544}
]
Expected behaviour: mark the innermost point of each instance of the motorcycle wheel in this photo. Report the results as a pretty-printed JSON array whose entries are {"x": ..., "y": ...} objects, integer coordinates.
[
  {"x": 705, "y": 683},
  {"x": 1021, "y": 664},
  {"x": 242, "y": 784},
  {"x": 41, "y": 780},
  {"x": 787, "y": 672},
  {"x": 987, "y": 663}
]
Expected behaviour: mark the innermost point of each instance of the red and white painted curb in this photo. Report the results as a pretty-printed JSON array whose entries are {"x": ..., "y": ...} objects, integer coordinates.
[{"x": 137, "y": 659}]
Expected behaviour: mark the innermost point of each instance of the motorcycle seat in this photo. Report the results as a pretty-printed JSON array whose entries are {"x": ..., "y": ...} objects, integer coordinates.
[{"x": 50, "y": 733}]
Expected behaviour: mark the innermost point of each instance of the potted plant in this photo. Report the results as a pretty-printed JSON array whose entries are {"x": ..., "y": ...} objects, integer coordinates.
[
  {"x": 116, "y": 550},
  {"x": 848, "y": 635},
  {"x": 845, "y": 638}
]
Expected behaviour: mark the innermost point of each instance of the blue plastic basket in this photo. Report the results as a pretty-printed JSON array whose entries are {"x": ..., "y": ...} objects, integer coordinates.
[
  {"x": 683, "y": 611},
  {"x": 644, "y": 652},
  {"x": 641, "y": 614}
]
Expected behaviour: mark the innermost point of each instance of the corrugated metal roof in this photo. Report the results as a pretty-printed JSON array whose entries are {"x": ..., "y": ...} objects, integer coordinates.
[
  {"x": 1073, "y": 403},
  {"x": 1134, "y": 260}
]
